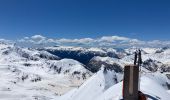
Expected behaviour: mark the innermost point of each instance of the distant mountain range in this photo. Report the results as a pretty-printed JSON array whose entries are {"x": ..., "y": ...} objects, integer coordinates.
[{"x": 78, "y": 73}]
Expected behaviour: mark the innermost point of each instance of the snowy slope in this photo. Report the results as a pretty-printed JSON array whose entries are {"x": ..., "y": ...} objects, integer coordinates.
[
  {"x": 96, "y": 85},
  {"x": 28, "y": 74},
  {"x": 153, "y": 85},
  {"x": 149, "y": 86}
]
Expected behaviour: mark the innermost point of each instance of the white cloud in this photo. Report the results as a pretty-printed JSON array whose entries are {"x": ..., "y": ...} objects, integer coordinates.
[
  {"x": 51, "y": 40},
  {"x": 38, "y": 38},
  {"x": 6, "y": 41},
  {"x": 82, "y": 41},
  {"x": 85, "y": 40},
  {"x": 21, "y": 40},
  {"x": 112, "y": 41},
  {"x": 113, "y": 38},
  {"x": 136, "y": 41},
  {"x": 65, "y": 40}
]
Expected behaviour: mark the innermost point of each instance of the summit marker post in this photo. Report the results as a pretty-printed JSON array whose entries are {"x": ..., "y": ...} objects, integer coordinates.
[{"x": 131, "y": 81}]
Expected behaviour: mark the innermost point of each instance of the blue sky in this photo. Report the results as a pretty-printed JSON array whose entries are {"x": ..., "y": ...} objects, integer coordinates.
[{"x": 141, "y": 19}]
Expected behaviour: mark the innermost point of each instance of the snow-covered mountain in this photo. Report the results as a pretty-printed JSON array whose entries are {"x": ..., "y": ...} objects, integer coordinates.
[
  {"x": 78, "y": 73},
  {"x": 29, "y": 74},
  {"x": 81, "y": 54},
  {"x": 155, "y": 76}
]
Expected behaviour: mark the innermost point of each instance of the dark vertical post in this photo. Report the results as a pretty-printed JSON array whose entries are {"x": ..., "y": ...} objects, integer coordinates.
[
  {"x": 135, "y": 59},
  {"x": 130, "y": 83},
  {"x": 139, "y": 59}
]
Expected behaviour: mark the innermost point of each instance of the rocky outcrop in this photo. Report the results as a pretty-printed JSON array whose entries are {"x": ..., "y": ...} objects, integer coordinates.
[{"x": 94, "y": 65}]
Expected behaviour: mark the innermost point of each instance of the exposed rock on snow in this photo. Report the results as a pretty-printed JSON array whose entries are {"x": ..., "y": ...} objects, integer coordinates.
[{"x": 109, "y": 63}]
